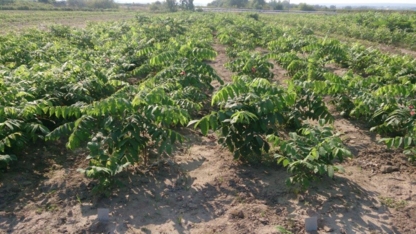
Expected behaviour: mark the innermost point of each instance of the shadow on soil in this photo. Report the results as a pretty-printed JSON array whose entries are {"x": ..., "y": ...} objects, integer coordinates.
[
  {"x": 167, "y": 195},
  {"x": 27, "y": 182}
]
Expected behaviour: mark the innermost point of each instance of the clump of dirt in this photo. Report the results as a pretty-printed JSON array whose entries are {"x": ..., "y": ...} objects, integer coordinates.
[
  {"x": 381, "y": 160},
  {"x": 405, "y": 219},
  {"x": 334, "y": 68}
]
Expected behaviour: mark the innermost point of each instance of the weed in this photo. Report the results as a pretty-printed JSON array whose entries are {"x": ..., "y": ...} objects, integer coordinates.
[
  {"x": 239, "y": 199},
  {"x": 50, "y": 193},
  {"x": 180, "y": 218},
  {"x": 283, "y": 230},
  {"x": 48, "y": 208},
  {"x": 392, "y": 203},
  {"x": 79, "y": 199}
]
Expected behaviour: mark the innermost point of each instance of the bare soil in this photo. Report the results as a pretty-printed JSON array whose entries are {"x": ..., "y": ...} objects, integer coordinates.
[
  {"x": 201, "y": 189},
  {"x": 80, "y": 21},
  {"x": 218, "y": 65}
]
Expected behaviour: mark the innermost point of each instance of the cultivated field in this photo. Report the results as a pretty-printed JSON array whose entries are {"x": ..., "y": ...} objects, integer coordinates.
[
  {"x": 208, "y": 123},
  {"x": 18, "y": 21}
]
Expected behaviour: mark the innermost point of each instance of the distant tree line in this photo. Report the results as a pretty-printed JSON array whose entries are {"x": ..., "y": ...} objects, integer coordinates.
[
  {"x": 3, "y": 2},
  {"x": 103, "y": 4},
  {"x": 173, "y": 5},
  {"x": 271, "y": 5}
]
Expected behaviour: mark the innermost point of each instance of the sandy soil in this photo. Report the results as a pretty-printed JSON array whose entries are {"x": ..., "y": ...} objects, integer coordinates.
[
  {"x": 74, "y": 21},
  {"x": 202, "y": 190}
]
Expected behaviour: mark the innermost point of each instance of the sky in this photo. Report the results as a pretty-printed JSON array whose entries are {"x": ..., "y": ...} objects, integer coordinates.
[
  {"x": 320, "y": 2},
  {"x": 352, "y": 2}
]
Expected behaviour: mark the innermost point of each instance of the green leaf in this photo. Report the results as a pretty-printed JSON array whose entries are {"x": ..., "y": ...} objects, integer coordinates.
[
  {"x": 407, "y": 142},
  {"x": 398, "y": 141},
  {"x": 203, "y": 124},
  {"x": 192, "y": 122},
  {"x": 7, "y": 158},
  {"x": 285, "y": 163},
  {"x": 330, "y": 171}
]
